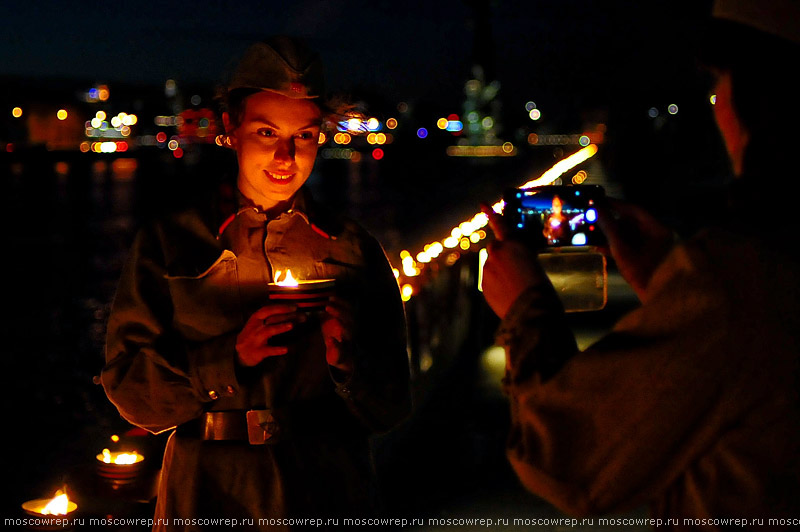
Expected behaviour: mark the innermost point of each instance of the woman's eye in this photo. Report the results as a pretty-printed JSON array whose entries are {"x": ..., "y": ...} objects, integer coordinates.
[
  {"x": 306, "y": 135},
  {"x": 266, "y": 132}
]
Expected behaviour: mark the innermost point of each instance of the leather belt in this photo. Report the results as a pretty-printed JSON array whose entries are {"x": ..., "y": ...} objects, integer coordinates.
[
  {"x": 272, "y": 425},
  {"x": 256, "y": 427}
]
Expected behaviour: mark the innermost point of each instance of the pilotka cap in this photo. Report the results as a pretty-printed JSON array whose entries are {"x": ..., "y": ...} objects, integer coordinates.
[{"x": 281, "y": 64}]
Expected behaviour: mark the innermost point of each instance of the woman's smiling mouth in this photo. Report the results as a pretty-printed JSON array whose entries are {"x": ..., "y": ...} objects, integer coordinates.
[{"x": 279, "y": 178}]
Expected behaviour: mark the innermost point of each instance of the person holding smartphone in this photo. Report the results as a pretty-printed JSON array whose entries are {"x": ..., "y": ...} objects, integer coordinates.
[
  {"x": 690, "y": 404},
  {"x": 271, "y": 405}
]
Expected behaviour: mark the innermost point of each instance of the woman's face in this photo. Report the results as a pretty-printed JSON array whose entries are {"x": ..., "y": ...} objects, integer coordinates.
[
  {"x": 276, "y": 145},
  {"x": 556, "y": 205}
]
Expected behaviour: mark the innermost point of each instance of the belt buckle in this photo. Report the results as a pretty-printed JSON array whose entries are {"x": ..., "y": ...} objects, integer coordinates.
[{"x": 261, "y": 426}]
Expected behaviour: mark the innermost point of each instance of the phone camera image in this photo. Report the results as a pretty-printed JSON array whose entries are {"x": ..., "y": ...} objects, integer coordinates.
[{"x": 557, "y": 216}]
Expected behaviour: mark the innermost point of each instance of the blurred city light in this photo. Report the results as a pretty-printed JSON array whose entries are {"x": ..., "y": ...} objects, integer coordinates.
[
  {"x": 170, "y": 88},
  {"x": 406, "y": 292},
  {"x": 713, "y": 99},
  {"x": 672, "y": 109},
  {"x": 391, "y": 123},
  {"x": 563, "y": 166},
  {"x": 535, "y": 114},
  {"x": 422, "y": 132},
  {"x": 16, "y": 112},
  {"x": 62, "y": 114},
  {"x": 506, "y": 150}
]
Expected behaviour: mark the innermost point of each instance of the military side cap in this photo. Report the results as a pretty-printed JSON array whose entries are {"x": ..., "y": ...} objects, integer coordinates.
[{"x": 281, "y": 64}]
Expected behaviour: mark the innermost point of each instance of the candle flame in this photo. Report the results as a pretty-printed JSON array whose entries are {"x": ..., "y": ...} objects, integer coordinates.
[
  {"x": 288, "y": 279},
  {"x": 58, "y": 505},
  {"x": 121, "y": 458}
]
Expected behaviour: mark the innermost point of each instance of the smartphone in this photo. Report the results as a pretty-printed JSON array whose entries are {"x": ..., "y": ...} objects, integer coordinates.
[{"x": 556, "y": 216}]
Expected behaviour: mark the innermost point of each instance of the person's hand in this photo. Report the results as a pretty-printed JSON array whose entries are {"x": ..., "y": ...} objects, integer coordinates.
[
  {"x": 636, "y": 240},
  {"x": 252, "y": 344},
  {"x": 338, "y": 324},
  {"x": 510, "y": 269}
]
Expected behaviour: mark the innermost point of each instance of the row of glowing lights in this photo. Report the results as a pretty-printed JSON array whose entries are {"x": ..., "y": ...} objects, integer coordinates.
[
  {"x": 109, "y": 146},
  {"x": 60, "y": 504},
  {"x": 472, "y": 231},
  {"x": 355, "y": 124},
  {"x": 121, "y": 146},
  {"x": 121, "y": 120},
  {"x": 346, "y": 138},
  {"x": 360, "y": 125}
]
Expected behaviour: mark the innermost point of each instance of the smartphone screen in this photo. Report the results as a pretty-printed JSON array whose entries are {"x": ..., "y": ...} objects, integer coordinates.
[{"x": 564, "y": 215}]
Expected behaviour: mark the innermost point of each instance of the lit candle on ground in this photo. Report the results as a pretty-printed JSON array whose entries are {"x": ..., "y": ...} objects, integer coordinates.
[
  {"x": 120, "y": 458},
  {"x": 119, "y": 467},
  {"x": 58, "y": 505}
]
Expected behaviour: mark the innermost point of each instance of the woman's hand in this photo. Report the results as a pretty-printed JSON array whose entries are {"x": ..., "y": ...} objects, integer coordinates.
[
  {"x": 637, "y": 241},
  {"x": 338, "y": 326},
  {"x": 252, "y": 344}
]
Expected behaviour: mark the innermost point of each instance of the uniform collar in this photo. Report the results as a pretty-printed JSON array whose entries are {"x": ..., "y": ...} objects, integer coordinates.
[{"x": 303, "y": 205}]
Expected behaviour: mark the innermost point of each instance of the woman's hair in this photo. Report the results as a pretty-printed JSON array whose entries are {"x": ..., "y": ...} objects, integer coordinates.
[
  {"x": 334, "y": 109},
  {"x": 761, "y": 68}
]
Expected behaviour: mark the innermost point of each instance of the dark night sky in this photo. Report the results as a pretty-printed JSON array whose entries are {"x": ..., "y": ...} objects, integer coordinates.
[{"x": 414, "y": 49}]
